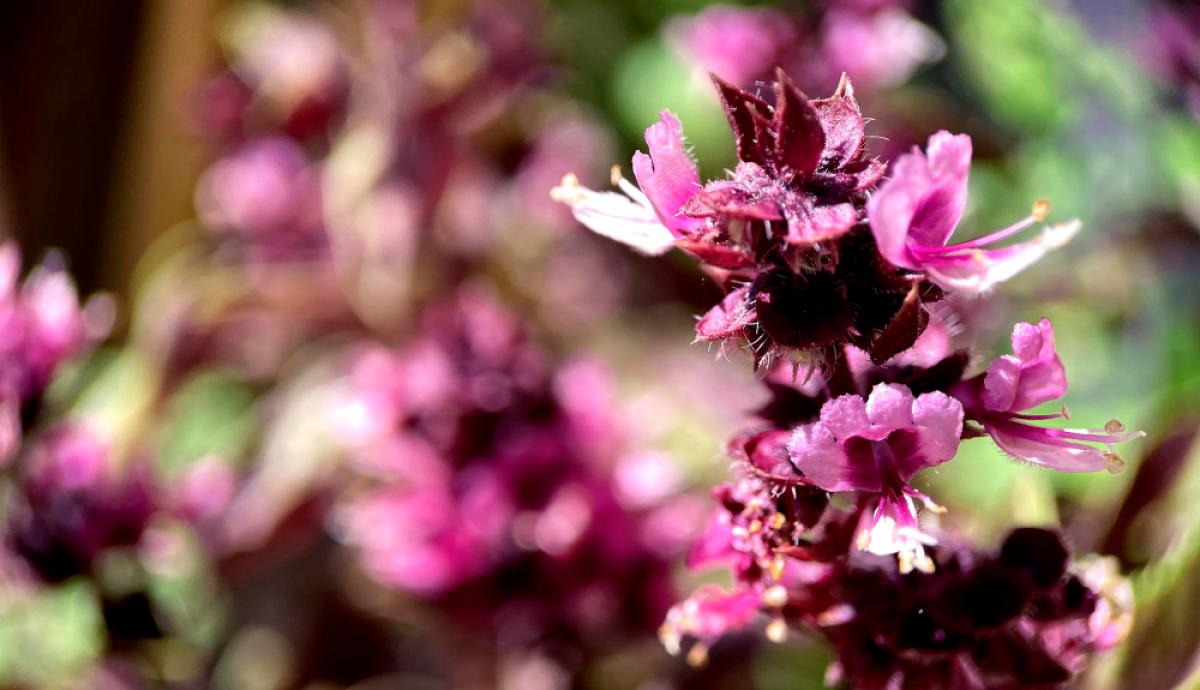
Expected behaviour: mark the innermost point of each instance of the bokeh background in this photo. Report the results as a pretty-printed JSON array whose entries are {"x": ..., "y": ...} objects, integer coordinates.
[{"x": 333, "y": 269}]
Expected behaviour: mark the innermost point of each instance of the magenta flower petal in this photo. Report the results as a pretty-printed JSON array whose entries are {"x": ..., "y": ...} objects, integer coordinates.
[
  {"x": 715, "y": 545},
  {"x": 924, "y": 199},
  {"x": 1034, "y": 374},
  {"x": 914, "y": 214},
  {"x": 1019, "y": 440},
  {"x": 815, "y": 451},
  {"x": 1000, "y": 383},
  {"x": 940, "y": 418},
  {"x": 668, "y": 176},
  {"x": 707, "y": 615},
  {"x": 845, "y": 416},
  {"x": 948, "y": 165},
  {"x": 890, "y": 406}
]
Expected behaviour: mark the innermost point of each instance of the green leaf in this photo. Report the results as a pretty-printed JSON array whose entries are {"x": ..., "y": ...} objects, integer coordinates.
[
  {"x": 47, "y": 639},
  {"x": 212, "y": 414}
]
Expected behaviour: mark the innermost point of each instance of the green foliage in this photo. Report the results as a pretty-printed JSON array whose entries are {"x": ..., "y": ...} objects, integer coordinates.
[
  {"x": 650, "y": 78},
  {"x": 212, "y": 414},
  {"x": 48, "y": 638}
]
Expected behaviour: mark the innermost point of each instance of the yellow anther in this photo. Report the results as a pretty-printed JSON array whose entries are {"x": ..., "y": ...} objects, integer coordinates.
[
  {"x": 755, "y": 526},
  {"x": 567, "y": 191},
  {"x": 924, "y": 563},
  {"x": 777, "y": 521},
  {"x": 1041, "y": 209},
  {"x": 776, "y": 568},
  {"x": 615, "y": 176},
  {"x": 1114, "y": 463}
]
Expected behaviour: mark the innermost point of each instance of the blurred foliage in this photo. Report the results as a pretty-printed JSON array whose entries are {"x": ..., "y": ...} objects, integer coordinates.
[{"x": 1059, "y": 114}]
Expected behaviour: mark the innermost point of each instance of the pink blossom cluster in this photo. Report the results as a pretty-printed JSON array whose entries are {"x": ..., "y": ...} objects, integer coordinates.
[
  {"x": 43, "y": 325},
  {"x": 838, "y": 276},
  {"x": 490, "y": 483},
  {"x": 877, "y": 42}
]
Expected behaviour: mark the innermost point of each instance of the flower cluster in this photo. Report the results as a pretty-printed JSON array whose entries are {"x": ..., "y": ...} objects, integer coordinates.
[
  {"x": 831, "y": 268},
  {"x": 490, "y": 483},
  {"x": 1015, "y": 618},
  {"x": 74, "y": 502},
  {"x": 43, "y": 326},
  {"x": 877, "y": 42}
]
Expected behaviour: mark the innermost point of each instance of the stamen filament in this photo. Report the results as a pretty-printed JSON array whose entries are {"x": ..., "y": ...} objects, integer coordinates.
[{"x": 618, "y": 180}]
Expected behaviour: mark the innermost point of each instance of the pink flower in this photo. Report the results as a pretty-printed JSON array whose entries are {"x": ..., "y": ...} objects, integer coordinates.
[
  {"x": 914, "y": 213},
  {"x": 739, "y": 43},
  {"x": 73, "y": 501},
  {"x": 1033, "y": 375},
  {"x": 648, "y": 218},
  {"x": 877, "y": 445},
  {"x": 877, "y": 47},
  {"x": 264, "y": 187}
]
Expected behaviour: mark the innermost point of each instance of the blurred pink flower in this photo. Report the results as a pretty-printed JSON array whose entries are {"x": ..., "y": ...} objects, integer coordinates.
[
  {"x": 42, "y": 325},
  {"x": 739, "y": 43},
  {"x": 73, "y": 502},
  {"x": 878, "y": 48},
  {"x": 267, "y": 192},
  {"x": 480, "y": 461}
]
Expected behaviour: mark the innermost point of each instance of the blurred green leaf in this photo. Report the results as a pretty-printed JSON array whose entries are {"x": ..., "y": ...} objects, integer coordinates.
[
  {"x": 212, "y": 414},
  {"x": 1008, "y": 51},
  {"x": 49, "y": 638},
  {"x": 1165, "y": 639},
  {"x": 791, "y": 666},
  {"x": 650, "y": 78},
  {"x": 1037, "y": 68},
  {"x": 185, "y": 588}
]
